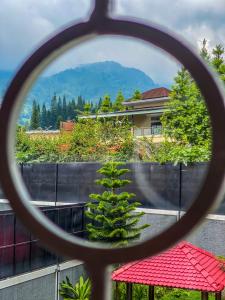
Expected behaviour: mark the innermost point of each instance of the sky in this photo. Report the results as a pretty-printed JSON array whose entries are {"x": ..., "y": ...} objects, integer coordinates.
[{"x": 25, "y": 24}]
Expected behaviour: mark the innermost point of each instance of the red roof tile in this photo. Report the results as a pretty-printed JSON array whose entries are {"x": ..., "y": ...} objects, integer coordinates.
[
  {"x": 155, "y": 93},
  {"x": 184, "y": 266}
]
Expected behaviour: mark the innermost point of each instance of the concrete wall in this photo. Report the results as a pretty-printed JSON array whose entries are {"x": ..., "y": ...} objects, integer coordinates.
[
  {"x": 40, "y": 285},
  {"x": 142, "y": 121}
]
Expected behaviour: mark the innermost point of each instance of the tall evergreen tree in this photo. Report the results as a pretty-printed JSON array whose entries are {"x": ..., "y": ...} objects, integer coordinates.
[
  {"x": 59, "y": 107},
  {"x": 218, "y": 61},
  {"x": 106, "y": 104},
  {"x": 64, "y": 109},
  {"x": 117, "y": 105},
  {"x": 136, "y": 95},
  {"x": 53, "y": 111},
  {"x": 44, "y": 122},
  {"x": 114, "y": 218},
  {"x": 35, "y": 116},
  {"x": 99, "y": 103},
  {"x": 204, "y": 51}
]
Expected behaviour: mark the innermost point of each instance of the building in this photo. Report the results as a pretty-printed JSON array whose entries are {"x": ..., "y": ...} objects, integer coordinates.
[{"x": 144, "y": 113}]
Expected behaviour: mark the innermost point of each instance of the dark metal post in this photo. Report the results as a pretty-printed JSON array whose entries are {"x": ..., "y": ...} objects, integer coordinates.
[
  {"x": 205, "y": 296},
  {"x": 180, "y": 191},
  {"x": 129, "y": 291},
  {"x": 218, "y": 296},
  {"x": 56, "y": 183},
  {"x": 116, "y": 291},
  {"x": 151, "y": 292}
]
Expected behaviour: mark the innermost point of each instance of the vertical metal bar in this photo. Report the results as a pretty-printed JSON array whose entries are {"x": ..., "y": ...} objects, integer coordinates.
[
  {"x": 14, "y": 244},
  {"x": 180, "y": 191},
  {"x": 151, "y": 292},
  {"x": 218, "y": 296},
  {"x": 116, "y": 291},
  {"x": 205, "y": 296},
  {"x": 56, "y": 183},
  {"x": 129, "y": 291},
  {"x": 57, "y": 280}
]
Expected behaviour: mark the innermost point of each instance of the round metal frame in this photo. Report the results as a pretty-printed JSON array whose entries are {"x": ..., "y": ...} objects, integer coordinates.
[{"x": 56, "y": 239}]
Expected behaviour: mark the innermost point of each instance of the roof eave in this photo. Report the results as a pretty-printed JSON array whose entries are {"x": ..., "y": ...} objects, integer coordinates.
[{"x": 146, "y": 101}]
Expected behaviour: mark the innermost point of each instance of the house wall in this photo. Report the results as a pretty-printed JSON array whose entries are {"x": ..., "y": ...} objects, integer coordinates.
[{"x": 142, "y": 121}]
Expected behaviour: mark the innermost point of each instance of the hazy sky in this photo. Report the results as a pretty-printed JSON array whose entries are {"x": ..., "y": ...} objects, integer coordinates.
[{"x": 26, "y": 23}]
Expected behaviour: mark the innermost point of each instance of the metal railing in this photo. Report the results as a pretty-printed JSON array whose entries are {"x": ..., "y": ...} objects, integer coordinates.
[
  {"x": 20, "y": 251},
  {"x": 144, "y": 131}
]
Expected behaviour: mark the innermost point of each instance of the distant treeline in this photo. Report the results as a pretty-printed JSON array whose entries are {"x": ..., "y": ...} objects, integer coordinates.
[{"x": 62, "y": 110}]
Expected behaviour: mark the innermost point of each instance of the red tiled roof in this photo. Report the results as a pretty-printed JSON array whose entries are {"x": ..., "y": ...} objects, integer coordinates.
[
  {"x": 155, "y": 93},
  {"x": 184, "y": 266},
  {"x": 67, "y": 126}
]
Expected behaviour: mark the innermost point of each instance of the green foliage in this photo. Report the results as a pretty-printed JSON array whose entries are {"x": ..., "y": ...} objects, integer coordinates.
[
  {"x": 179, "y": 153},
  {"x": 35, "y": 117},
  {"x": 117, "y": 105},
  {"x": 136, "y": 95},
  {"x": 106, "y": 105},
  {"x": 91, "y": 140},
  {"x": 161, "y": 293},
  {"x": 186, "y": 119},
  {"x": 112, "y": 214},
  {"x": 186, "y": 123},
  {"x": 80, "y": 291}
]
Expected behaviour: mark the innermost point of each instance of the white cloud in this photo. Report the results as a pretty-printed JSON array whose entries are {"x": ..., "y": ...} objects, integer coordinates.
[{"x": 25, "y": 23}]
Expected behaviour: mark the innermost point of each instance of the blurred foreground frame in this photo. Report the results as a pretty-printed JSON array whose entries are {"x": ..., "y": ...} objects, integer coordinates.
[{"x": 97, "y": 260}]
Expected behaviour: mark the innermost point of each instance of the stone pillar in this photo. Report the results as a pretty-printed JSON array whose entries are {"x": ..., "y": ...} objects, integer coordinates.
[{"x": 151, "y": 294}]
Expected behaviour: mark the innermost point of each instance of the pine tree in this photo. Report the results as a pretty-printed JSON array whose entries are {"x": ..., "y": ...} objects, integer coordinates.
[
  {"x": 218, "y": 61},
  {"x": 35, "y": 116},
  {"x": 64, "y": 109},
  {"x": 44, "y": 122},
  {"x": 114, "y": 218},
  {"x": 87, "y": 109},
  {"x": 137, "y": 95},
  {"x": 106, "y": 105},
  {"x": 117, "y": 105},
  {"x": 204, "y": 51},
  {"x": 53, "y": 111},
  {"x": 99, "y": 103},
  {"x": 59, "y": 107}
]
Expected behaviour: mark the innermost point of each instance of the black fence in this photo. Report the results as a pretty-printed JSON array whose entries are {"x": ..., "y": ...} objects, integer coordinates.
[
  {"x": 21, "y": 252},
  {"x": 156, "y": 186}
]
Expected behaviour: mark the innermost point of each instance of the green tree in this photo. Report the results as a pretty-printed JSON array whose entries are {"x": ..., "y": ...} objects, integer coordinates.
[
  {"x": 117, "y": 105},
  {"x": 87, "y": 109},
  {"x": 218, "y": 61},
  {"x": 114, "y": 218},
  {"x": 204, "y": 51},
  {"x": 44, "y": 122},
  {"x": 80, "y": 291},
  {"x": 186, "y": 118},
  {"x": 35, "y": 116},
  {"x": 136, "y": 95},
  {"x": 64, "y": 108},
  {"x": 53, "y": 111},
  {"x": 106, "y": 105},
  {"x": 59, "y": 107}
]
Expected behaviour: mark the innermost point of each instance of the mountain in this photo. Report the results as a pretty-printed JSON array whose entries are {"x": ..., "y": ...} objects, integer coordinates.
[{"x": 91, "y": 81}]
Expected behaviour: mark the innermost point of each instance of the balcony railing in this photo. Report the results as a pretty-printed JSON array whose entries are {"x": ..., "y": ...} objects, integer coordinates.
[{"x": 144, "y": 131}]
